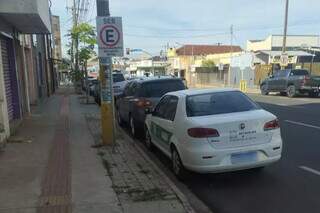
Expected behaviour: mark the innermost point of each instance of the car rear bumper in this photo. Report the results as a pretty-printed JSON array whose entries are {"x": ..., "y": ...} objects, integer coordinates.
[
  {"x": 310, "y": 88},
  {"x": 222, "y": 160}
]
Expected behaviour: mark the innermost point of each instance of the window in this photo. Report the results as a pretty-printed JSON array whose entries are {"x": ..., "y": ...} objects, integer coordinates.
[
  {"x": 127, "y": 89},
  {"x": 117, "y": 78},
  {"x": 159, "y": 111},
  {"x": 283, "y": 73},
  {"x": 171, "y": 108},
  {"x": 276, "y": 74},
  {"x": 218, "y": 103},
  {"x": 299, "y": 72},
  {"x": 159, "y": 88},
  {"x": 167, "y": 108}
]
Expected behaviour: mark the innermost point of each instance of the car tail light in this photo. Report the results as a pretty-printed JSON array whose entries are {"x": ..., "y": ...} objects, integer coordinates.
[
  {"x": 203, "y": 132},
  {"x": 305, "y": 80},
  {"x": 274, "y": 124},
  {"x": 143, "y": 103}
]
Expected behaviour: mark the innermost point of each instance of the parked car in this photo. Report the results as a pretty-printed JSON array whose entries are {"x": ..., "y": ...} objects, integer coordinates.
[
  {"x": 211, "y": 131},
  {"x": 119, "y": 83},
  {"x": 142, "y": 94},
  {"x": 291, "y": 82},
  {"x": 92, "y": 86}
]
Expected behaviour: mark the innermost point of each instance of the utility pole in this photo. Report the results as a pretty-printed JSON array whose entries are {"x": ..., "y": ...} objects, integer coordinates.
[
  {"x": 284, "y": 57},
  {"x": 74, "y": 23},
  {"x": 107, "y": 108},
  {"x": 231, "y": 52},
  {"x": 284, "y": 44}
]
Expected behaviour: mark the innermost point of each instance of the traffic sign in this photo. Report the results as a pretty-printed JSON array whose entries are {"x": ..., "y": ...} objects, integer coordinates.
[
  {"x": 284, "y": 60},
  {"x": 220, "y": 66},
  {"x": 110, "y": 36}
]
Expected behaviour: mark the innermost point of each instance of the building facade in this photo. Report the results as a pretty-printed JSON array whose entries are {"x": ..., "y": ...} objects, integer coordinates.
[
  {"x": 187, "y": 60},
  {"x": 21, "y": 66},
  {"x": 274, "y": 43}
]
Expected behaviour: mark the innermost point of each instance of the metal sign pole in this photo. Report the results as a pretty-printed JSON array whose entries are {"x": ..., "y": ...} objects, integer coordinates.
[{"x": 105, "y": 74}]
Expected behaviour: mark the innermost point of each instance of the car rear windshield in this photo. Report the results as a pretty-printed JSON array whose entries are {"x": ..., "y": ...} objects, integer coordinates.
[
  {"x": 300, "y": 72},
  {"x": 218, "y": 103},
  {"x": 159, "y": 88},
  {"x": 117, "y": 78}
]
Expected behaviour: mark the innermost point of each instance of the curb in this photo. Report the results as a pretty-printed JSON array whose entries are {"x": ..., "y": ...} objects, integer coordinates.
[{"x": 185, "y": 203}]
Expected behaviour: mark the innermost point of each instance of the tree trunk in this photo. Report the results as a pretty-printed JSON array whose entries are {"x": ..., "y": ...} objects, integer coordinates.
[{"x": 87, "y": 82}]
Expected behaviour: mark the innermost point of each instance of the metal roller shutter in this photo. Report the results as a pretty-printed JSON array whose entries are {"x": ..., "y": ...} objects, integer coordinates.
[{"x": 7, "y": 78}]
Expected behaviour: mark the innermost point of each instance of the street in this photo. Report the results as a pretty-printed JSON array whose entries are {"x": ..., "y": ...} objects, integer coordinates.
[{"x": 290, "y": 185}]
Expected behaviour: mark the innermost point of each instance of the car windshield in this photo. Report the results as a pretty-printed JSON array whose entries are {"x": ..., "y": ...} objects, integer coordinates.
[
  {"x": 118, "y": 78},
  {"x": 159, "y": 88},
  {"x": 218, "y": 103},
  {"x": 300, "y": 72}
]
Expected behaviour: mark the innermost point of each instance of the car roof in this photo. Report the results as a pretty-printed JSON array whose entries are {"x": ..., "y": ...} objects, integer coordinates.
[
  {"x": 189, "y": 92},
  {"x": 154, "y": 79}
]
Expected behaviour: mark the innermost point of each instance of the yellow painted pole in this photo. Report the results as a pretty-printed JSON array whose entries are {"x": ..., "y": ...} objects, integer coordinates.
[
  {"x": 107, "y": 115},
  {"x": 106, "y": 82}
]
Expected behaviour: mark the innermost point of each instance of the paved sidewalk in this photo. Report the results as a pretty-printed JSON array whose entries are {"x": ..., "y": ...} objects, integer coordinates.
[
  {"x": 52, "y": 167},
  {"x": 139, "y": 185}
]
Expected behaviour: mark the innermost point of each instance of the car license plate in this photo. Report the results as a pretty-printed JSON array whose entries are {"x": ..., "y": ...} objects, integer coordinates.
[{"x": 240, "y": 158}]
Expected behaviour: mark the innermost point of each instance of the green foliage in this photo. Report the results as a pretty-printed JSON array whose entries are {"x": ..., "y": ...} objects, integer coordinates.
[
  {"x": 64, "y": 64},
  {"x": 85, "y": 54},
  {"x": 208, "y": 63},
  {"x": 83, "y": 35}
]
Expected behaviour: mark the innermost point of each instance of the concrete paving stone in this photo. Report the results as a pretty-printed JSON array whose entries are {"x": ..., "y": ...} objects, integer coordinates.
[
  {"x": 19, "y": 210},
  {"x": 139, "y": 186},
  {"x": 95, "y": 208},
  {"x": 154, "y": 207},
  {"x": 90, "y": 183}
]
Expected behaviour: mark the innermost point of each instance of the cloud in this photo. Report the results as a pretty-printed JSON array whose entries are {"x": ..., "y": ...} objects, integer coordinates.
[{"x": 190, "y": 21}]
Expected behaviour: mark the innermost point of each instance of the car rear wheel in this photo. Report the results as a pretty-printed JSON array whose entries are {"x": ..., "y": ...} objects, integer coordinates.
[
  {"x": 313, "y": 94},
  {"x": 291, "y": 91},
  {"x": 148, "y": 140},
  {"x": 177, "y": 166},
  {"x": 264, "y": 90},
  {"x": 283, "y": 93}
]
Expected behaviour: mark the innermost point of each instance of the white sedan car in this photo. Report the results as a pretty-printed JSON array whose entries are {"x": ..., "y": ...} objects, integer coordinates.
[{"x": 211, "y": 131}]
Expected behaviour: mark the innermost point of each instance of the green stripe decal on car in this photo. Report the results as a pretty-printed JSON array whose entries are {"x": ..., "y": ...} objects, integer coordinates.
[{"x": 160, "y": 133}]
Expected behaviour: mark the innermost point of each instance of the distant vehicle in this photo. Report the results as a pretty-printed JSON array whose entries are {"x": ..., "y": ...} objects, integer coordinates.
[
  {"x": 141, "y": 94},
  {"x": 211, "y": 131},
  {"x": 119, "y": 82},
  {"x": 291, "y": 82},
  {"x": 92, "y": 86}
]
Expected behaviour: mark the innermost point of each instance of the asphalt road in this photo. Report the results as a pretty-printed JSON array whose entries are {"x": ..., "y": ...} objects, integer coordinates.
[{"x": 289, "y": 186}]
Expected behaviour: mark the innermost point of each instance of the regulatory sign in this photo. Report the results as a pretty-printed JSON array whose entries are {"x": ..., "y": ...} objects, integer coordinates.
[
  {"x": 284, "y": 60},
  {"x": 220, "y": 66},
  {"x": 110, "y": 36}
]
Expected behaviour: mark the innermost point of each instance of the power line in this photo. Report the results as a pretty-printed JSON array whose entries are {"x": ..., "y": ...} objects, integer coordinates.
[
  {"x": 168, "y": 36},
  {"x": 215, "y": 29}
]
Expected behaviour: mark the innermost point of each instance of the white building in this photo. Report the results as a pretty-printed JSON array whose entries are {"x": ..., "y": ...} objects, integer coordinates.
[
  {"x": 147, "y": 67},
  {"x": 274, "y": 43}
]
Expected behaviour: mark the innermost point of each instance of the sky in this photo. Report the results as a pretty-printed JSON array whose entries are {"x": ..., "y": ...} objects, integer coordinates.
[{"x": 152, "y": 24}]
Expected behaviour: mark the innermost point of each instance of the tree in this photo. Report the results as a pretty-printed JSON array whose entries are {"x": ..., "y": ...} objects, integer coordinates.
[
  {"x": 208, "y": 63},
  {"x": 84, "y": 38}
]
